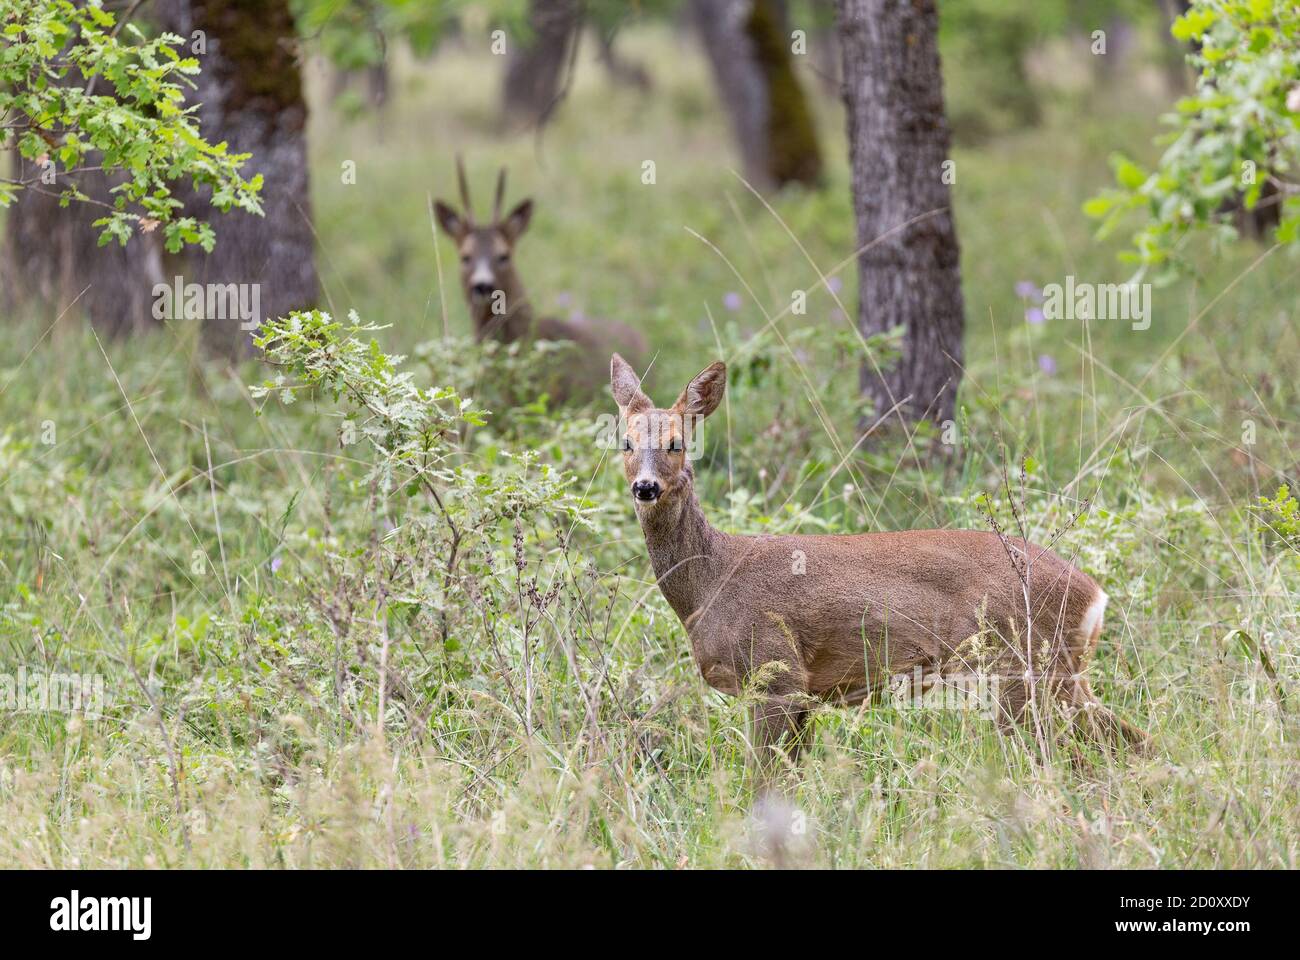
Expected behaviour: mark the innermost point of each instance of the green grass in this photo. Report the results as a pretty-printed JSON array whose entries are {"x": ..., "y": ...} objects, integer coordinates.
[{"x": 213, "y": 555}]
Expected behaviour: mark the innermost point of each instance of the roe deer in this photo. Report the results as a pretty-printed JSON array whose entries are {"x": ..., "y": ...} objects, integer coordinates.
[
  {"x": 498, "y": 303},
  {"x": 801, "y": 618}
]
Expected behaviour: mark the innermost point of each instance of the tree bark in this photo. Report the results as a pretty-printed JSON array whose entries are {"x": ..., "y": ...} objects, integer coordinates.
[
  {"x": 749, "y": 51},
  {"x": 534, "y": 70},
  {"x": 250, "y": 91},
  {"x": 909, "y": 275}
]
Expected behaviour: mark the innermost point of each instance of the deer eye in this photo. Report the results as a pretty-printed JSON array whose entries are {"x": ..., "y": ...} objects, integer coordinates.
[
  {"x": 675, "y": 445},
  {"x": 465, "y": 259},
  {"x": 627, "y": 444},
  {"x": 503, "y": 258}
]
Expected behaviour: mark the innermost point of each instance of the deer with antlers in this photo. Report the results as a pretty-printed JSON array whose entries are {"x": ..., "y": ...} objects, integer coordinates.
[
  {"x": 499, "y": 305},
  {"x": 796, "y": 619}
]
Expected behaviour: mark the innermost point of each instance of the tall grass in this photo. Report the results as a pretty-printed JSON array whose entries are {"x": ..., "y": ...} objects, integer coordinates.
[{"x": 276, "y": 699}]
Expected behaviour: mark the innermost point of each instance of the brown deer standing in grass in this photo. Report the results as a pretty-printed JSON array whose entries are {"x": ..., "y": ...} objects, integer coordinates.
[
  {"x": 796, "y": 619},
  {"x": 499, "y": 305}
]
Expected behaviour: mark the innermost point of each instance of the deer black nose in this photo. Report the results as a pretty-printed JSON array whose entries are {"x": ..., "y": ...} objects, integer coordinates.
[
  {"x": 647, "y": 490},
  {"x": 481, "y": 289}
]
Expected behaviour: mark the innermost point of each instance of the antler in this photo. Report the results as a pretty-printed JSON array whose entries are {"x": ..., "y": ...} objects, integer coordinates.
[
  {"x": 501, "y": 195},
  {"x": 464, "y": 189}
]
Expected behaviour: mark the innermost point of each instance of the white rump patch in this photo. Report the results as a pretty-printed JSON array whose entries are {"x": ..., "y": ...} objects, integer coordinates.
[{"x": 1092, "y": 616}]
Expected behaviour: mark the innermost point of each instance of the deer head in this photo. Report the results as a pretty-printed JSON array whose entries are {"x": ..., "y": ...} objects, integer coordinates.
[
  {"x": 492, "y": 288},
  {"x": 657, "y": 440}
]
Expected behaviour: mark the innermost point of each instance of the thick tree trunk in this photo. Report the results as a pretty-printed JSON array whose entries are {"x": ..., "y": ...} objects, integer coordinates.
[
  {"x": 898, "y": 143},
  {"x": 536, "y": 67},
  {"x": 749, "y": 50},
  {"x": 52, "y": 254},
  {"x": 250, "y": 91}
]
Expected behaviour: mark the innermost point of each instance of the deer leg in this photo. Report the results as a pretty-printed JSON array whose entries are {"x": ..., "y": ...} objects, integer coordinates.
[
  {"x": 1097, "y": 723},
  {"x": 1062, "y": 706},
  {"x": 1089, "y": 717},
  {"x": 780, "y": 728},
  {"x": 1026, "y": 707}
]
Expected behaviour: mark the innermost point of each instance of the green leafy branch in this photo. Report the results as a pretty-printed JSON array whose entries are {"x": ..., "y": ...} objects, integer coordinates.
[
  {"x": 413, "y": 433},
  {"x": 54, "y": 54},
  {"x": 1238, "y": 136},
  {"x": 414, "y": 437},
  {"x": 1281, "y": 515}
]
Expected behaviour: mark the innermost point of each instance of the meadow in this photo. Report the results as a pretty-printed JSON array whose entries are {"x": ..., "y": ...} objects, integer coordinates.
[{"x": 306, "y": 665}]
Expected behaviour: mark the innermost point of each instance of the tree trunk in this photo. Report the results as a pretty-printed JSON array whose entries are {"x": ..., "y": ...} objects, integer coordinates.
[
  {"x": 534, "y": 69},
  {"x": 376, "y": 83},
  {"x": 250, "y": 91},
  {"x": 898, "y": 143},
  {"x": 750, "y": 53},
  {"x": 825, "y": 45},
  {"x": 1179, "y": 76},
  {"x": 52, "y": 254},
  {"x": 622, "y": 71}
]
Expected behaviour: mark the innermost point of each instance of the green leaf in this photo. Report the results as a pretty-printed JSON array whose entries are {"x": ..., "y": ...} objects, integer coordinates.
[
  {"x": 1128, "y": 174},
  {"x": 1099, "y": 206},
  {"x": 1193, "y": 24}
]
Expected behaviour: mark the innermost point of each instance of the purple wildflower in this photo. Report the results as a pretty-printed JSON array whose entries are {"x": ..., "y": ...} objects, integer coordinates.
[
  {"x": 835, "y": 284},
  {"x": 1034, "y": 315},
  {"x": 731, "y": 301},
  {"x": 1047, "y": 364}
]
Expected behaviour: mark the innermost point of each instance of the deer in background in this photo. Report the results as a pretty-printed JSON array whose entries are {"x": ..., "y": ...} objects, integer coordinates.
[
  {"x": 499, "y": 305},
  {"x": 797, "y": 619}
]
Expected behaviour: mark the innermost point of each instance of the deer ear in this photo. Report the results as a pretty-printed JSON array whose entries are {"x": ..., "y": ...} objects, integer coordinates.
[
  {"x": 517, "y": 222},
  {"x": 703, "y": 394},
  {"x": 451, "y": 222},
  {"x": 625, "y": 385}
]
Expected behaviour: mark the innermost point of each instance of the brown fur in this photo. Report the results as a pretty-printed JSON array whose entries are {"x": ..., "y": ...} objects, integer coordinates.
[
  {"x": 865, "y": 607},
  {"x": 506, "y": 313}
]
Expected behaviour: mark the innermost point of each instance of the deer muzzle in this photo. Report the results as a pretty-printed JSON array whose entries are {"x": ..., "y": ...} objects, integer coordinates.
[{"x": 647, "y": 491}]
